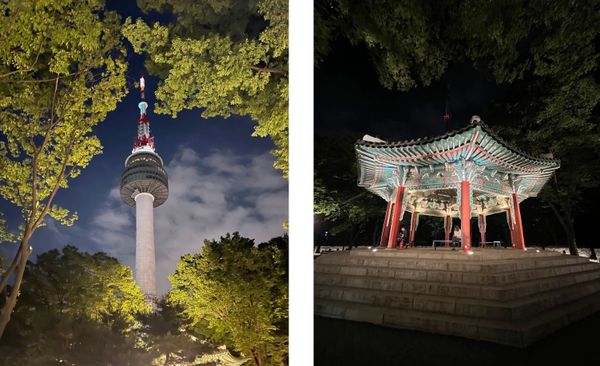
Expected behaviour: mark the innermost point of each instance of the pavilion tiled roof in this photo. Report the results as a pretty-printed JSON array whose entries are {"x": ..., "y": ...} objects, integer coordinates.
[{"x": 471, "y": 126}]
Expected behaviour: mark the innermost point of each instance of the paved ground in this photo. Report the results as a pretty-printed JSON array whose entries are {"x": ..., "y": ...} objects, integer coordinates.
[{"x": 342, "y": 342}]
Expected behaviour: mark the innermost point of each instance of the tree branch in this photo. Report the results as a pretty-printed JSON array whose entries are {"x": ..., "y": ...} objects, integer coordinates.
[
  {"x": 47, "y": 80},
  {"x": 267, "y": 69},
  {"x": 9, "y": 305},
  {"x": 6, "y": 275},
  {"x": 30, "y": 68},
  {"x": 56, "y": 184},
  {"x": 14, "y": 72},
  {"x": 558, "y": 216},
  {"x": 36, "y": 157}
]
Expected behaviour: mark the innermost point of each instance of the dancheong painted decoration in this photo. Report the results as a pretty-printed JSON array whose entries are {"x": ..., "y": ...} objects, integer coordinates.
[{"x": 468, "y": 172}]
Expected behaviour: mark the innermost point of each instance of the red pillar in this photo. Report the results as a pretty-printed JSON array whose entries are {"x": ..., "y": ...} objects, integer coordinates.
[
  {"x": 395, "y": 226},
  {"x": 482, "y": 226},
  {"x": 465, "y": 215},
  {"x": 413, "y": 228},
  {"x": 385, "y": 231},
  {"x": 520, "y": 239},
  {"x": 447, "y": 226}
]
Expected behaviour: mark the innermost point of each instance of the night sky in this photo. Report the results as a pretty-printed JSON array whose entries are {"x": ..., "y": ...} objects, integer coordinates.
[
  {"x": 220, "y": 180},
  {"x": 349, "y": 101}
]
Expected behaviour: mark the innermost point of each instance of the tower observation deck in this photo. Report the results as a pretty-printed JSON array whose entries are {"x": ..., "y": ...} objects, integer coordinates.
[{"x": 144, "y": 185}]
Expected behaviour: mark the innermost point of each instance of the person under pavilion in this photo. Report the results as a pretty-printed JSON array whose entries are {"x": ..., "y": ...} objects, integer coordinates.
[{"x": 465, "y": 173}]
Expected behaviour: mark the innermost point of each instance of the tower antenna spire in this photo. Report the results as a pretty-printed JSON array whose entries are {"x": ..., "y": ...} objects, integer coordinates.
[
  {"x": 143, "y": 141},
  {"x": 447, "y": 117},
  {"x": 142, "y": 86}
]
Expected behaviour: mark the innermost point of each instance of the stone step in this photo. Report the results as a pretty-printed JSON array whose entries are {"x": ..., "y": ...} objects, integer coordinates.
[
  {"x": 457, "y": 263},
  {"x": 446, "y": 253},
  {"x": 453, "y": 276},
  {"x": 504, "y": 296},
  {"x": 519, "y": 334},
  {"x": 550, "y": 321},
  {"x": 515, "y": 309},
  {"x": 498, "y": 293},
  {"x": 480, "y": 329}
]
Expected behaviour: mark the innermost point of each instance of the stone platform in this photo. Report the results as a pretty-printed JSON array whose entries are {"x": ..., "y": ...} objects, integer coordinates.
[{"x": 504, "y": 296}]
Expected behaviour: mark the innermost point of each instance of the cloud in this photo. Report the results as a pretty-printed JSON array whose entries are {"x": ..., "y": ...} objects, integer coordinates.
[
  {"x": 53, "y": 226},
  {"x": 209, "y": 196}
]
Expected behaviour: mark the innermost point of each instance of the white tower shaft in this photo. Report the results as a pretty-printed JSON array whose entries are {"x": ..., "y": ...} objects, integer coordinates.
[
  {"x": 144, "y": 185},
  {"x": 144, "y": 244}
]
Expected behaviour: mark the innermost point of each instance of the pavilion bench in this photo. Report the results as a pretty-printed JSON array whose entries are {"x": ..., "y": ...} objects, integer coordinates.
[
  {"x": 495, "y": 243},
  {"x": 442, "y": 242}
]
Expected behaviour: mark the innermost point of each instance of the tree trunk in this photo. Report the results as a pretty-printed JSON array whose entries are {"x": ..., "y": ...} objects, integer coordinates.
[
  {"x": 593, "y": 253},
  {"x": 566, "y": 221},
  {"x": 11, "y": 300},
  {"x": 572, "y": 240},
  {"x": 256, "y": 358},
  {"x": 570, "y": 230},
  {"x": 8, "y": 273},
  {"x": 261, "y": 357}
]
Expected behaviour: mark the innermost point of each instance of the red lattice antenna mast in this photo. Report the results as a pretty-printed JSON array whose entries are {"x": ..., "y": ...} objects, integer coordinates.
[
  {"x": 447, "y": 115},
  {"x": 144, "y": 141}
]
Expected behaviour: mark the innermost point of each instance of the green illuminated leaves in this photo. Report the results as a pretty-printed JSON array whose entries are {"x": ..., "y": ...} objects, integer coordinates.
[
  {"x": 195, "y": 18},
  {"x": 62, "y": 69},
  {"x": 276, "y": 35},
  {"x": 96, "y": 287},
  {"x": 5, "y": 234},
  {"x": 218, "y": 68},
  {"x": 240, "y": 292},
  {"x": 78, "y": 307},
  {"x": 62, "y": 215}
]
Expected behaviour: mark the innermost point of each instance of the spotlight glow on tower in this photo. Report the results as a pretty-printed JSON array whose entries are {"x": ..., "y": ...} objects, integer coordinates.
[{"x": 144, "y": 185}]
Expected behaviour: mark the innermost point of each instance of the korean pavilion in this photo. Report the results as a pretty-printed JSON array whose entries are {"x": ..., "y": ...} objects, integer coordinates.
[{"x": 469, "y": 172}]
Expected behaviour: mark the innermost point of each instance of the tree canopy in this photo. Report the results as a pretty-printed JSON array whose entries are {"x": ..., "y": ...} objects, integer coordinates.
[
  {"x": 62, "y": 69},
  {"x": 74, "y": 306},
  {"x": 94, "y": 286},
  {"x": 337, "y": 197},
  {"x": 412, "y": 43},
  {"x": 227, "y": 57},
  {"x": 86, "y": 309},
  {"x": 240, "y": 293}
]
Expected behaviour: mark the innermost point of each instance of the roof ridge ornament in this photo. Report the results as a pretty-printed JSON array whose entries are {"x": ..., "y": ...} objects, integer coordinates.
[
  {"x": 475, "y": 119},
  {"x": 370, "y": 138}
]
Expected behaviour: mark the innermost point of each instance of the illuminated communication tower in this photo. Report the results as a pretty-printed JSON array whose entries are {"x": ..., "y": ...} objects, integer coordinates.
[{"x": 144, "y": 185}]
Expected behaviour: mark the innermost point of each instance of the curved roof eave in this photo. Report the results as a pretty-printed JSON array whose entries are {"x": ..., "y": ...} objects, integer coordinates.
[{"x": 553, "y": 163}]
